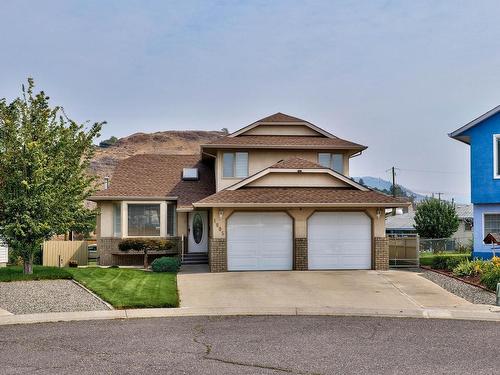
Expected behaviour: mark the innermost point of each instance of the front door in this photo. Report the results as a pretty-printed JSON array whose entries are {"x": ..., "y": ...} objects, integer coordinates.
[{"x": 198, "y": 232}]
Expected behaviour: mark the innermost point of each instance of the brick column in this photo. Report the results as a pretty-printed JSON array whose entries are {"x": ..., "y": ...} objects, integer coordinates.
[
  {"x": 300, "y": 255},
  {"x": 381, "y": 246},
  {"x": 218, "y": 255}
]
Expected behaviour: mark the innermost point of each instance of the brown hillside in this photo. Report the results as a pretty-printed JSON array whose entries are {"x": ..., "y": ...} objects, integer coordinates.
[{"x": 166, "y": 142}]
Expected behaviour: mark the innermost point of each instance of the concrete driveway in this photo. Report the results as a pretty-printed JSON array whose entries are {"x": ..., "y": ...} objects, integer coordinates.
[{"x": 314, "y": 289}]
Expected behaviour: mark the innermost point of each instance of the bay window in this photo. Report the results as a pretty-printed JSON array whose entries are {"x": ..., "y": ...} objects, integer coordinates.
[{"x": 144, "y": 220}]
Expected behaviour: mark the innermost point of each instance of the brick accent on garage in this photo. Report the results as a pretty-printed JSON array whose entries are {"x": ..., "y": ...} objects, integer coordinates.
[
  {"x": 300, "y": 263},
  {"x": 381, "y": 246},
  {"x": 218, "y": 255}
]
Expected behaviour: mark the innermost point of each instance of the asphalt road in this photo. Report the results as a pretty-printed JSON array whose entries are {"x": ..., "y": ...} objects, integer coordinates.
[{"x": 253, "y": 345}]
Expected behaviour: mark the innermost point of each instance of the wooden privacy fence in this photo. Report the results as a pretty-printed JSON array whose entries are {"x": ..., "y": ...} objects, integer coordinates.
[
  {"x": 59, "y": 253},
  {"x": 404, "y": 252}
]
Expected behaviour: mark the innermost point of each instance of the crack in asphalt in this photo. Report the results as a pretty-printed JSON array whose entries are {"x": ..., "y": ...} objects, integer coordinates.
[{"x": 200, "y": 331}]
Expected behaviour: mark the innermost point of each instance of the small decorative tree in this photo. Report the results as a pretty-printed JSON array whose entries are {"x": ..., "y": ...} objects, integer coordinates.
[
  {"x": 44, "y": 182},
  {"x": 435, "y": 218}
]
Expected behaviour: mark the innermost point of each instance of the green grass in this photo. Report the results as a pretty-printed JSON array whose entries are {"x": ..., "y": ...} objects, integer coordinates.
[
  {"x": 15, "y": 273},
  {"x": 129, "y": 288}
]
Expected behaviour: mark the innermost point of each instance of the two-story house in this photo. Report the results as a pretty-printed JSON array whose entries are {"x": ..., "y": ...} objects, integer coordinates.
[
  {"x": 274, "y": 195},
  {"x": 483, "y": 136}
]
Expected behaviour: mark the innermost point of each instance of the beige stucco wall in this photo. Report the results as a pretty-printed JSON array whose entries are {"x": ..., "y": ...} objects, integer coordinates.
[
  {"x": 261, "y": 159},
  {"x": 282, "y": 130},
  {"x": 300, "y": 216},
  {"x": 182, "y": 224},
  {"x": 278, "y": 179},
  {"x": 105, "y": 220}
]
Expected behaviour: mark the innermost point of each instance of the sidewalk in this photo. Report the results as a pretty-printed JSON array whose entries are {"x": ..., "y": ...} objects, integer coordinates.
[{"x": 476, "y": 312}]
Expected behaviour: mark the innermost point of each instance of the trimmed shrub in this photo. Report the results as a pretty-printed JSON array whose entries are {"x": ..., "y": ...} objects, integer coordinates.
[
  {"x": 142, "y": 244},
  {"x": 444, "y": 261},
  {"x": 491, "y": 277},
  {"x": 166, "y": 264}
]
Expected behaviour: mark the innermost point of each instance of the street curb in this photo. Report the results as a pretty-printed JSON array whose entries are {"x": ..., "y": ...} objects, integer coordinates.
[
  {"x": 487, "y": 313},
  {"x": 109, "y": 306}
]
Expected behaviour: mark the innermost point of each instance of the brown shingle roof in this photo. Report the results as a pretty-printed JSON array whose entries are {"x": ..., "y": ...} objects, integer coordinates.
[
  {"x": 281, "y": 117},
  {"x": 296, "y": 163},
  {"x": 300, "y": 196},
  {"x": 279, "y": 141},
  {"x": 156, "y": 176}
]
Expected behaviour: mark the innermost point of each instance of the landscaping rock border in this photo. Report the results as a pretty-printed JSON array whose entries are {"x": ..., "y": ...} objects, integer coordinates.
[
  {"x": 464, "y": 290},
  {"x": 28, "y": 297}
]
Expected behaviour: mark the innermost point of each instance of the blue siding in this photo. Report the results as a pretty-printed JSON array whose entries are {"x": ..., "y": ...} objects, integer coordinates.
[
  {"x": 484, "y": 188},
  {"x": 480, "y": 249}
]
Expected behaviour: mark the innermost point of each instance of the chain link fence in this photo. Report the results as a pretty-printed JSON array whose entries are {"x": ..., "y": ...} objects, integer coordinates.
[{"x": 438, "y": 245}]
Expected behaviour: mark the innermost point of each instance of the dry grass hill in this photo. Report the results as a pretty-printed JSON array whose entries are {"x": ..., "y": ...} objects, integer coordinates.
[{"x": 165, "y": 142}]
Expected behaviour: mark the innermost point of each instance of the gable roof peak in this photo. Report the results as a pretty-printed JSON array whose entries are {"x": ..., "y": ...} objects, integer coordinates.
[{"x": 281, "y": 117}]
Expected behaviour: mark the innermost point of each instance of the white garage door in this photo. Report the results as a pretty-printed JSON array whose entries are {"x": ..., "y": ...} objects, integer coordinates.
[
  {"x": 259, "y": 241},
  {"x": 339, "y": 240}
]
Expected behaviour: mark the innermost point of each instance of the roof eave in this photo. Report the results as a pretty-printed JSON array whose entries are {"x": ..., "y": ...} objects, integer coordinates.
[
  {"x": 130, "y": 197},
  {"x": 289, "y": 147},
  {"x": 281, "y": 205}
]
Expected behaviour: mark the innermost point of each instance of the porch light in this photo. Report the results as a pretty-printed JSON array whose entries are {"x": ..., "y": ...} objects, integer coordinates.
[
  {"x": 379, "y": 213},
  {"x": 221, "y": 213}
]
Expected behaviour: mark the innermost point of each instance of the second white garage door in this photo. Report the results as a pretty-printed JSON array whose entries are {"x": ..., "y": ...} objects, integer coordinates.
[
  {"x": 339, "y": 240},
  {"x": 259, "y": 241}
]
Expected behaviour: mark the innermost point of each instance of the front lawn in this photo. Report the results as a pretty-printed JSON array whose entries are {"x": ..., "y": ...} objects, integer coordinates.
[
  {"x": 130, "y": 288},
  {"x": 15, "y": 273}
]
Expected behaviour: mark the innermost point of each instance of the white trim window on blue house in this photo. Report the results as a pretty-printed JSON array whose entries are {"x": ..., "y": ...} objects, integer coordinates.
[{"x": 483, "y": 137}]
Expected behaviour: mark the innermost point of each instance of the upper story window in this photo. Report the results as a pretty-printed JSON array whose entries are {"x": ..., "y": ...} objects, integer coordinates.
[
  {"x": 332, "y": 161},
  {"x": 144, "y": 220},
  {"x": 496, "y": 156},
  {"x": 235, "y": 164}
]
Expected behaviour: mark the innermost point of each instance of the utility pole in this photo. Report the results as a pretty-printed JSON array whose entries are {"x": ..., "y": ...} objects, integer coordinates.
[
  {"x": 393, "y": 170},
  {"x": 393, "y": 182},
  {"x": 439, "y": 196}
]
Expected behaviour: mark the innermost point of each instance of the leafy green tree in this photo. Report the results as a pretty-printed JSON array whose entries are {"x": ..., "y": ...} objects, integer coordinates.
[
  {"x": 435, "y": 218},
  {"x": 108, "y": 142},
  {"x": 43, "y": 167}
]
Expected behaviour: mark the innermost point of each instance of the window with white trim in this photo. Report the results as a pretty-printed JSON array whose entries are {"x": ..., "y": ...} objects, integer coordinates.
[
  {"x": 235, "y": 164},
  {"x": 144, "y": 220},
  {"x": 491, "y": 224},
  {"x": 117, "y": 219},
  {"x": 496, "y": 156},
  {"x": 332, "y": 161}
]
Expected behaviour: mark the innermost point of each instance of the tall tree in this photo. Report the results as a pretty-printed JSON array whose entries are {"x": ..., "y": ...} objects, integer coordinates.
[
  {"x": 435, "y": 218},
  {"x": 44, "y": 182}
]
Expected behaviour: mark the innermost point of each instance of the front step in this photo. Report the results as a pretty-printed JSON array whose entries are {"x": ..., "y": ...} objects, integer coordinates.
[{"x": 195, "y": 258}]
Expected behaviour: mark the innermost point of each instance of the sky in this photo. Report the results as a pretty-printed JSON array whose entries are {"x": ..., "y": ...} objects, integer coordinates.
[{"x": 397, "y": 76}]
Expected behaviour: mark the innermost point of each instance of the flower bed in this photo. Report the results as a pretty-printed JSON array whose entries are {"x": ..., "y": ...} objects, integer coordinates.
[{"x": 482, "y": 273}]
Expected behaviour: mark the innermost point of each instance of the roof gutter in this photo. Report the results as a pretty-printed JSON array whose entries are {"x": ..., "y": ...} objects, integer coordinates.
[
  {"x": 130, "y": 198},
  {"x": 285, "y": 205}
]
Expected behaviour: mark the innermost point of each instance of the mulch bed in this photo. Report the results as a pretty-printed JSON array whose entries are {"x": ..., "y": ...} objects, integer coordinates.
[{"x": 471, "y": 280}]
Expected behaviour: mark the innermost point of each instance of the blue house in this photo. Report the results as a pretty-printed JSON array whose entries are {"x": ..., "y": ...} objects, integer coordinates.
[{"x": 483, "y": 136}]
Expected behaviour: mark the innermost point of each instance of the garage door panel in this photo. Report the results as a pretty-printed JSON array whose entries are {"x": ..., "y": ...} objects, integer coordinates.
[
  {"x": 260, "y": 241},
  {"x": 339, "y": 240}
]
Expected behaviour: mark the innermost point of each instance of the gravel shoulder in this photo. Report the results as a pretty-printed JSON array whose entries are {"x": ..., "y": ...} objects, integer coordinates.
[
  {"x": 459, "y": 288},
  {"x": 29, "y": 297}
]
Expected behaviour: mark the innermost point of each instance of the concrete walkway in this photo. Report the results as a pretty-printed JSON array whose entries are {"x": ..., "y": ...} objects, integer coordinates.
[{"x": 314, "y": 289}]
